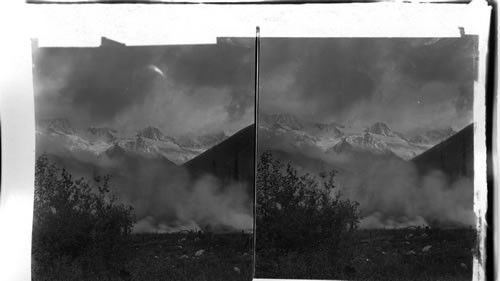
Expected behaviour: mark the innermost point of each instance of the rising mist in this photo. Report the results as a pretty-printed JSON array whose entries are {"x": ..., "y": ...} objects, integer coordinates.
[
  {"x": 165, "y": 197},
  {"x": 392, "y": 192}
]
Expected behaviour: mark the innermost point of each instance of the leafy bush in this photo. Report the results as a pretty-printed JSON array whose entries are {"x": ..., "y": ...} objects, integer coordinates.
[
  {"x": 297, "y": 212},
  {"x": 76, "y": 222}
]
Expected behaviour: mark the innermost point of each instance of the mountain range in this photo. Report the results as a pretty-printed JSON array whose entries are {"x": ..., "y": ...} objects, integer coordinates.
[
  {"x": 285, "y": 129},
  {"x": 378, "y": 138},
  {"x": 149, "y": 141}
]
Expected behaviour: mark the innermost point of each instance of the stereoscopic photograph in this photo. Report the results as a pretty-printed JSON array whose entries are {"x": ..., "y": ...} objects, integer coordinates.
[
  {"x": 365, "y": 167},
  {"x": 144, "y": 161}
]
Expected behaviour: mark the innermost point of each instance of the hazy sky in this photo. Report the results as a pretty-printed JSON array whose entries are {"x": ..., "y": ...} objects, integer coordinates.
[
  {"x": 408, "y": 83},
  {"x": 180, "y": 89}
]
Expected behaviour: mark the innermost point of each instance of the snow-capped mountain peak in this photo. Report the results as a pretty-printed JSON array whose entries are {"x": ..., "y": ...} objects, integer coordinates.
[
  {"x": 149, "y": 142},
  {"x": 106, "y": 134},
  {"x": 139, "y": 145},
  {"x": 380, "y": 128},
  {"x": 283, "y": 120},
  {"x": 362, "y": 142},
  {"x": 57, "y": 125},
  {"x": 203, "y": 141},
  {"x": 152, "y": 133},
  {"x": 378, "y": 138},
  {"x": 333, "y": 129}
]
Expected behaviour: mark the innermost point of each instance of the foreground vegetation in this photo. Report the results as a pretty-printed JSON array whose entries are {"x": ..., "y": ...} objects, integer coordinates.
[
  {"x": 81, "y": 233},
  {"x": 302, "y": 222},
  {"x": 306, "y": 230},
  {"x": 296, "y": 212}
]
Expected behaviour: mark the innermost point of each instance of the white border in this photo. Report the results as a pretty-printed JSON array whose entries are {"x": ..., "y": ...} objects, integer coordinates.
[{"x": 83, "y": 25}]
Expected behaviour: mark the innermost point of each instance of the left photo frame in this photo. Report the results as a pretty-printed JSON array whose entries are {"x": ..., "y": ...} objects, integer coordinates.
[{"x": 144, "y": 161}]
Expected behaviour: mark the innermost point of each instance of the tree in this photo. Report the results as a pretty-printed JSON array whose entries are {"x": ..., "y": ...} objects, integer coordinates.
[
  {"x": 300, "y": 211},
  {"x": 77, "y": 220}
]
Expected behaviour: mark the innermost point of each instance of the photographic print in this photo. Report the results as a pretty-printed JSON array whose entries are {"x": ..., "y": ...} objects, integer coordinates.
[
  {"x": 144, "y": 161},
  {"x": 365, "y": 166}
]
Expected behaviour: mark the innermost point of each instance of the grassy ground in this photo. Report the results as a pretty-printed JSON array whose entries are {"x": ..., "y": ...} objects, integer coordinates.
[
  {"x": 174, "y": 257},
  {"x": 402, "y": 254}
]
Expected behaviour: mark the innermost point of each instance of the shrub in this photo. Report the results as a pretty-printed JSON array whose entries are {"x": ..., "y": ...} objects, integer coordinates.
[
  {"x": 295, "y": 212},
  {"x": 76, "y": 221}
]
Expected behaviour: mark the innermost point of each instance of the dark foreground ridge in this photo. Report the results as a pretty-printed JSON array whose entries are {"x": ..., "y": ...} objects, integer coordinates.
[
  {"x": 230, "y": 160},
  {"x": 454, "y": 156}
]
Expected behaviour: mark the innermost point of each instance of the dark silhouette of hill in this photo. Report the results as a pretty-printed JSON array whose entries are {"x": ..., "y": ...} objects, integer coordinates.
[
  {"x": 230, "y": 160},
  {"x": 454, "y": 156}
]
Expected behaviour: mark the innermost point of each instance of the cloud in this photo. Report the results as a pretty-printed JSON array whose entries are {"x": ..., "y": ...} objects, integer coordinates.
[
  {"x": 370, "y": 79},
  {"x": 212, "y": 65},
  {"x": 229, "y": 65},
  {"x": 390, "y": 191},
  {"x": 165, "y": 86},
  {"x": 179, "y": 109},
  {"x": 326, "y": 75},
  {"x": 97, "y": 83},
  {"x": 165, "y": 197},
  {"x": 446, "y": 60}
]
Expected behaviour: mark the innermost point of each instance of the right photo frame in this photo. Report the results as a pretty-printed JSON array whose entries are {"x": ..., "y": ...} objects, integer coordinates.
[{"x": 365, "y": 159}]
